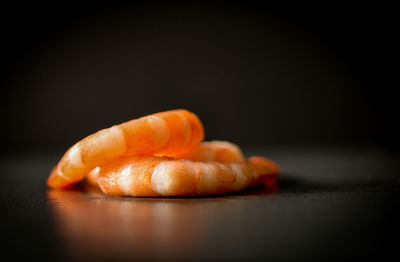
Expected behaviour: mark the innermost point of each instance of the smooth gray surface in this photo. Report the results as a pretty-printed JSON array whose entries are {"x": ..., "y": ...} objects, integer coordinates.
[{"x": 332, "y": 203}]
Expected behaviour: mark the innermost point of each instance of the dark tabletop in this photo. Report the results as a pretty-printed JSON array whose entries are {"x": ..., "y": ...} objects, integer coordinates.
[{"x": 332, "y": 203}]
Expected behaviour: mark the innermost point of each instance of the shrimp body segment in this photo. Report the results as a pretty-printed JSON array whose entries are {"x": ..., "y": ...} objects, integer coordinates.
[
  {"x": 163, "y": 176},
  {"x": 219, "y": 151},
  {"x": 167, "y": 133}
]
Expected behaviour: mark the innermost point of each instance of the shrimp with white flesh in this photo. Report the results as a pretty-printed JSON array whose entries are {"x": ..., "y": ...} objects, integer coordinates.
[
  {"x": 167, "y": 133},
  {"x": 162, "y": 176},
  {"x": 218, "y": 151}
]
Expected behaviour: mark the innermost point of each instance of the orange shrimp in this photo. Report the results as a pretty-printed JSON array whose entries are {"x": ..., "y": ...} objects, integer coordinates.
[
  {"x": 164, "y": 176},
  {"x": 168, "y": 133},
  {"x": 219, "y": 151}
]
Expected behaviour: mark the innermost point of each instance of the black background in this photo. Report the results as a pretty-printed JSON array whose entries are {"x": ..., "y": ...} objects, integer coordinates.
[{"x": 256, "y": 73}]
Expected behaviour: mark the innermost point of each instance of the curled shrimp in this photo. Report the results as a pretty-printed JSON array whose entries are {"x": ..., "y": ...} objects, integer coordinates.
[
  {"x": 218, "y": 151},
  {"x": 167, "y": 133},
  {"x": 164, "y": 176}
]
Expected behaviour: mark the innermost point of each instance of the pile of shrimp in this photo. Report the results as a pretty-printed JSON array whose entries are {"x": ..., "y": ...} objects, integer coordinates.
[{"x": 160, "y": 155}]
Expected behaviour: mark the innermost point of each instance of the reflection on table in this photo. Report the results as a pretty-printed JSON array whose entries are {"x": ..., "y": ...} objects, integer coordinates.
[{"x": 94, "y": 226}]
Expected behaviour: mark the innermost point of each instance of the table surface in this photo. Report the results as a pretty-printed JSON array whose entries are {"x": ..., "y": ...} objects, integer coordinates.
[{"x": 332, "y": 203}]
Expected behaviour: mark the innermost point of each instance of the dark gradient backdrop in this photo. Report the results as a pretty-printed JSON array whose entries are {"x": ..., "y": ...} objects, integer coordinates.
[{"x": 255, "y": 73}]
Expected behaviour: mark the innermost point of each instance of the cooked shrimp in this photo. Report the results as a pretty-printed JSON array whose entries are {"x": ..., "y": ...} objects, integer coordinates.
[
  {"x": 163, "y": 176},
  {"x": 167, "y": 133},
  {"x": 219, "y": 151}
]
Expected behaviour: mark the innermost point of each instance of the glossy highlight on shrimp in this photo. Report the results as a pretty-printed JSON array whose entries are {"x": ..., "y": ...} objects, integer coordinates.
[
  {"x": 167, "y": 133},
  {"x": 163, "y": 176}
]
